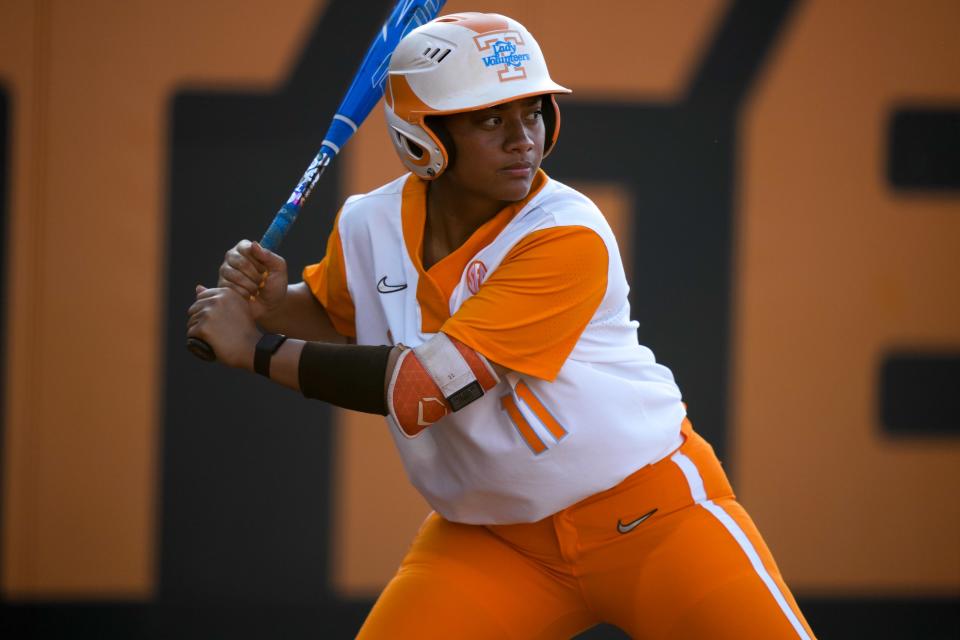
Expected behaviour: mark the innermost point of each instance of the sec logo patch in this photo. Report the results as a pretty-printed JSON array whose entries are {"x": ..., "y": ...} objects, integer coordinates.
[{"x": 476, "y": 273}]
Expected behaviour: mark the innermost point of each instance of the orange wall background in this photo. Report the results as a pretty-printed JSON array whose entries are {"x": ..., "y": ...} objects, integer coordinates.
[
  {"x": 834, "y": 270},
  {"x": 831, "y": 268},
  {"x": 90, "y": 87}
]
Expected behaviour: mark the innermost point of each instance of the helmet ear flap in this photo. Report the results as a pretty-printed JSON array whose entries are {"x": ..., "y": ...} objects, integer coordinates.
[
  {"x": 436, "y": 126},
  {"x": 419, "y": 148}
]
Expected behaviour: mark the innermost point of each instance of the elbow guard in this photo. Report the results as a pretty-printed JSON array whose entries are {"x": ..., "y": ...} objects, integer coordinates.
[{"x": 440, "y": 376}]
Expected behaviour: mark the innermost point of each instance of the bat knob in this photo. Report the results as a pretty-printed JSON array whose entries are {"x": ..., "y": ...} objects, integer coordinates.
[{"x": 201, "y": 349}]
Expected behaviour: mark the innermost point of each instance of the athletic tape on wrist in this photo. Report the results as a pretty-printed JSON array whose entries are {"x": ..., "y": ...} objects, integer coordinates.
[{"x": 439, "y": 377}]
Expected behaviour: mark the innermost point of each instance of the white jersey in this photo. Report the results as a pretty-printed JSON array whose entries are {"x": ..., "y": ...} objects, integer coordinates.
[{"x": 529, "y": 447}]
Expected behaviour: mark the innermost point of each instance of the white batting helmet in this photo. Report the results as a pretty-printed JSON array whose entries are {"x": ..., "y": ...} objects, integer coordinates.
[{"x": 456, "y": 63}]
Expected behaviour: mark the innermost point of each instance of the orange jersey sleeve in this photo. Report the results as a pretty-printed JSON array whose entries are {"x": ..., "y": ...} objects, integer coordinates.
[
  {"x": 327, "y": 280},
  {"x": 531, "y": 310}
]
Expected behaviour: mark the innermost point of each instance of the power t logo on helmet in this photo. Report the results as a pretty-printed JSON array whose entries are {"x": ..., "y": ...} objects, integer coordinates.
[
  {"x": 457, "y": 63},
  {"x": 505, "y": 52}
]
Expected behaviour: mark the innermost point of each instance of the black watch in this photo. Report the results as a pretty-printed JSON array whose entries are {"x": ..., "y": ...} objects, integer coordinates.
[{"x": 266, "y": 347}]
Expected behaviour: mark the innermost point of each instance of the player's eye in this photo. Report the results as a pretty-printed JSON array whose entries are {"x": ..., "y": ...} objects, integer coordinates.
[{"x": 492, "y": 121}]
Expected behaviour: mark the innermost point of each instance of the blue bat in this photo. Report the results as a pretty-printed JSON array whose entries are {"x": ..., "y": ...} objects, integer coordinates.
[{"x": 364, "y": 92}]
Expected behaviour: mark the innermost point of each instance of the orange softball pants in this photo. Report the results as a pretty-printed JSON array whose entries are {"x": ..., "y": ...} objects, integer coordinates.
[{"x": 666, "y": 554}]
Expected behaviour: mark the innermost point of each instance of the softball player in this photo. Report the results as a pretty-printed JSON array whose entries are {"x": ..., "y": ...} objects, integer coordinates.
[{"x": 488, "y": 309}]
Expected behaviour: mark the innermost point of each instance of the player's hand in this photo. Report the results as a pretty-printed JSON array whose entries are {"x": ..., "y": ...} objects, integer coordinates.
[
  {"x": 224, "y": 320},
  {"x": 256, "y": 274}
]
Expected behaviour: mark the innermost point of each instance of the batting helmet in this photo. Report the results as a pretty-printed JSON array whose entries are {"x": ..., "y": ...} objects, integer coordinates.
[{"x": 456, "y": 63}]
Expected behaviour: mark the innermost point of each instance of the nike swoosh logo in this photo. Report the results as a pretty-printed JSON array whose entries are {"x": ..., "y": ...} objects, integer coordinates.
[
  {"x": 630, "y": 526},
  {"x": 383, "y": 287}
]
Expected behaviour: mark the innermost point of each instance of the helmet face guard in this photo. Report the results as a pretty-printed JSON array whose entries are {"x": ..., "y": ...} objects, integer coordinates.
[{"x": 457, "y": 63}]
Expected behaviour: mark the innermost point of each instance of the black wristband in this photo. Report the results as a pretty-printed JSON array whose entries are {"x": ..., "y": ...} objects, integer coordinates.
[
  {"x": 346, "y": 375},
  {"x": 266, "y": 347}
]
